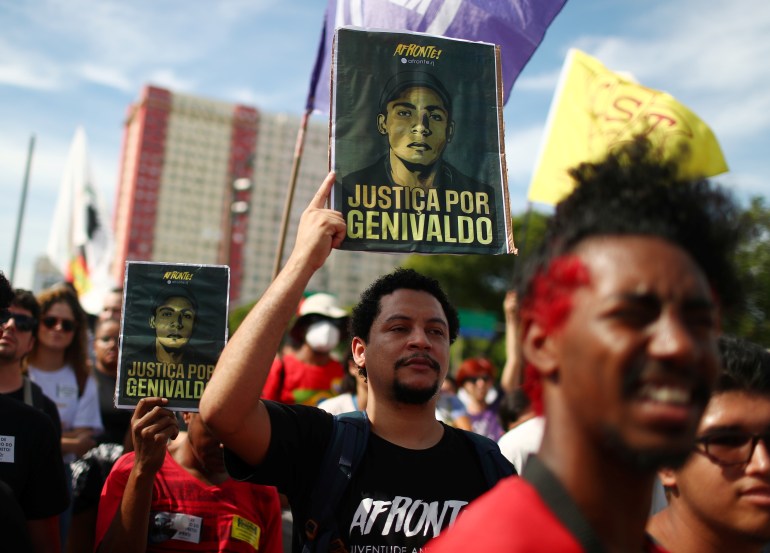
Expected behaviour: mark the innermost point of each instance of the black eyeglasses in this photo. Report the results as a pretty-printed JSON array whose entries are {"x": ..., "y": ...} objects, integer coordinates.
[
  {"x": 729, "y": 449},
  {"x": 24, "y": 323},
  {"x": 67, "y": 325}
]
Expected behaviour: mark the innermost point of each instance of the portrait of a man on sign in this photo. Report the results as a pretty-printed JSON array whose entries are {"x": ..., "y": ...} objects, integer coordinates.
[
  {"x": 416, "y": 149},
  {"x": 174, "y": 328}
]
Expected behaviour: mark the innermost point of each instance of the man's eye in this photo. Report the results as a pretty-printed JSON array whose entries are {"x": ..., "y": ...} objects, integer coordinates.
[
  {"x": 404, "y": 113},
  {"x": 437, "y": 117},
  {"x": 635, "y": 316},
  {"x": 436, "y": 331}
]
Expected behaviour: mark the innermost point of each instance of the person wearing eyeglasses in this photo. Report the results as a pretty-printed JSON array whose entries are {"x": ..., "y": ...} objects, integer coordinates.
[
  {"x": 719, "y": 500},
  {"x": 33, "y": 489},
  {"x": 19, "y": 324},
  {"x": 58, "y": 363}
]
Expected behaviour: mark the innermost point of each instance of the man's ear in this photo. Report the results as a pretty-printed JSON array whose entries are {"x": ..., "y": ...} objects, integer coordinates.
[
  {"x": 450, "y": 132},
  {"x": 152, "y": 321},
  {"x": 382, "y": 124},
  {"x": 667, "y": 477},
  {"x": 358, "y": 347},
  {"x": 538, "y": 348}
]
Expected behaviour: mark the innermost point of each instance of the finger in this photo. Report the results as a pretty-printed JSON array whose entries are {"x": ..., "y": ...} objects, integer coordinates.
[
  {"x": 322, "y": 195},
  {"x": 146, "y": 404},
  {"x": 157, "y": 415},
  {"x": 161, "y": 429}
]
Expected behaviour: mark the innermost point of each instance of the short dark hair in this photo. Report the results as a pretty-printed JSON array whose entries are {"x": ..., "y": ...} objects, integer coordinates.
[
  {"x": 173, "y": 291},
  {"x": 368, "y": 307},
  {"x": 26, "y": 300},
  {"x": 634, "y": 192},
  {"x": 745, "y": 367},
  {"x": 6, "y": 292},
  {"x": 405, "y": 80}
]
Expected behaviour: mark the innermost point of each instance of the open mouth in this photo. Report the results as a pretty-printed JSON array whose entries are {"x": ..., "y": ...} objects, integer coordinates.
[
  {"x": 664, "y": 393},
  {"x": 670, "y": 403}
]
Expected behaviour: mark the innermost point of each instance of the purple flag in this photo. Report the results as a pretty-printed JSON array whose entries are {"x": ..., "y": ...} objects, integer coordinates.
[{"x": 517, "y": 26}]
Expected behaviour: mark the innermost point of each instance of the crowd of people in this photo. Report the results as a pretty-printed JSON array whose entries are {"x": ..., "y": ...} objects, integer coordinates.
[{"x": 623, "y": 420}]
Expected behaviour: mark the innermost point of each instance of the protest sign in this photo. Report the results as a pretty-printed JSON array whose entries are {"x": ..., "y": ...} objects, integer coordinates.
[
  {"x": 417, "y": 144},
  {"x": 173, "y": 329}
]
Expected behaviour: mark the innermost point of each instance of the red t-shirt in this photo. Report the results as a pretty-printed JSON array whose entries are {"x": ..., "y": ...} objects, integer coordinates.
[
  {"x": 292, "y": 381},
  {"x": 510, "y": 518},
  {"x": 232, "y": 516}
]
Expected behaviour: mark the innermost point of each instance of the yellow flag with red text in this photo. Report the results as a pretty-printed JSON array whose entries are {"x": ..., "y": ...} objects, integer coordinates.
[{"x": 595, "y": 110}]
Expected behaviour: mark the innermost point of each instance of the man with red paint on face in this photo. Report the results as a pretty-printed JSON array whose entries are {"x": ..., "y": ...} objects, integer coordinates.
[{"x": 620, "y": 318}]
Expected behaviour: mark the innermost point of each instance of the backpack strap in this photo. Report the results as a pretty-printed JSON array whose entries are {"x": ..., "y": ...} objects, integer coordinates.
[
  {"x": 493, "y": 463},
  {"x": 27, "y": 385},
  {"x": 350, "y": 434}
]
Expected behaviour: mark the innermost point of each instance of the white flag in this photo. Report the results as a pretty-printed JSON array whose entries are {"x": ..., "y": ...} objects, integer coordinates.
[{"x": 81, "y": 244}]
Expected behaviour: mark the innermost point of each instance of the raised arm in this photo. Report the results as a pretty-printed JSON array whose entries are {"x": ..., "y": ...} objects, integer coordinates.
[
  {"x": 230, "y": 405},
  {"x": 152, "y": 426},
  {"x": 511, "y": 377}
]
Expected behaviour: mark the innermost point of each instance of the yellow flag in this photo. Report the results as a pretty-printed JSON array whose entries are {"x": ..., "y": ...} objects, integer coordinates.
[{"x": 595, "y": 110}]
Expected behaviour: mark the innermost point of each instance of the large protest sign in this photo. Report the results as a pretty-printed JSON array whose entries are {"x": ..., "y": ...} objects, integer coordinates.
[
  {"x": 417, "y": 144},
  {"x": 173, "y": 329}
]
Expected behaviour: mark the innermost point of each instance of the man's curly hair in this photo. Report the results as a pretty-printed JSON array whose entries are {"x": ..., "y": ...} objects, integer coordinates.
[{"x": 633, "y": 192}]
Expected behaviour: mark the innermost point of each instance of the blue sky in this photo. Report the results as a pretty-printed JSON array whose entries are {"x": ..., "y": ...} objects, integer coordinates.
[{"x": 81, "y": 62}]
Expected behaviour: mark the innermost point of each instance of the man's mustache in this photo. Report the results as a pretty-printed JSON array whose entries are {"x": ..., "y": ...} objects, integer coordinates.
[{"x": 424, "y": 356}]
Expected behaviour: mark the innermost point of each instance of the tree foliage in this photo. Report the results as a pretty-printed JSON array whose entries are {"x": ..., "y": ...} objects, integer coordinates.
[
  {"x": 752, "y": 319},
  {"x": 480, "y": 281}
]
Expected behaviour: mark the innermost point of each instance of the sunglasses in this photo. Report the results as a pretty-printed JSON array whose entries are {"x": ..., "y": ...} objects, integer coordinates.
[
  {"x": 67, "y": 325},
  {"x": 731, "y": 449},
  {"x": 24, "y": 323}
]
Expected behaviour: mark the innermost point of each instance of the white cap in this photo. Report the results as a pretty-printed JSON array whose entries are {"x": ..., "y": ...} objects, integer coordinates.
[{"x": 322, "y": 304}]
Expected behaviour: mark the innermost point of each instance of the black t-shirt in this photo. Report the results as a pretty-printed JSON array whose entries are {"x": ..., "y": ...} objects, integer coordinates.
[
  {"x": 30, "y": 459},
  {"x": 13, "y": 525},
  {"x": 40, "y": 401},
  {"x": 397, "y": 496},
  {"x": 115, "y": 421}
]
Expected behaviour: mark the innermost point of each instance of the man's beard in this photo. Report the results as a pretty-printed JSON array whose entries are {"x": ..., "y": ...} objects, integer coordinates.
[{"x": 411, "y": 395}]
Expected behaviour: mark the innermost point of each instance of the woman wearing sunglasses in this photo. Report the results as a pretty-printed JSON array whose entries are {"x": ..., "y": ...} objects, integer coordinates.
[{"x": 59, "y": 365}]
